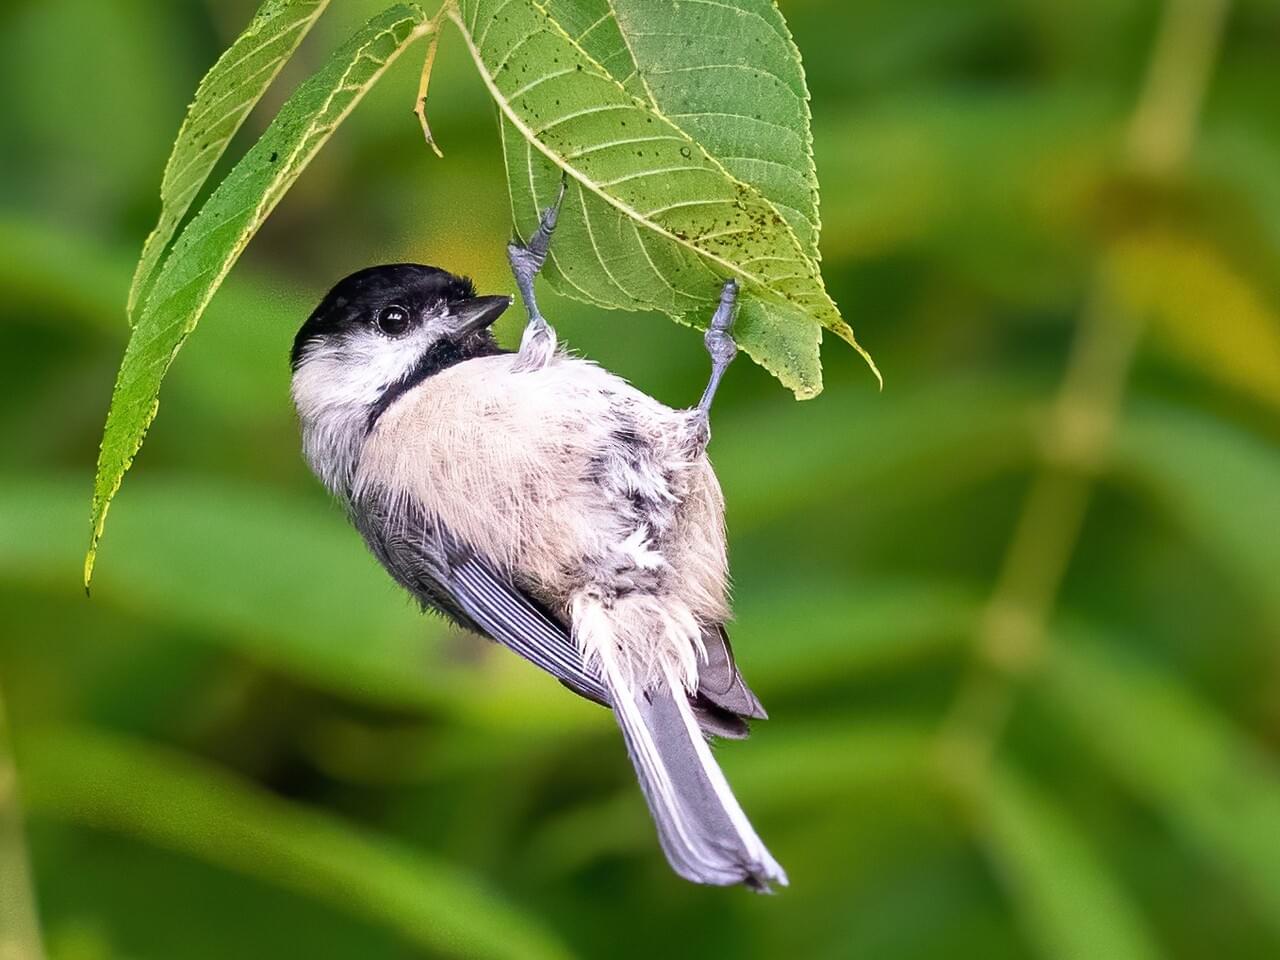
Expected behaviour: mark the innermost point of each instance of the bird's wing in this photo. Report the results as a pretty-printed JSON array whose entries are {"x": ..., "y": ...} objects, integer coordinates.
[
  {"x": 508, "y": 615},
  {"x": 448, "y": 575}
]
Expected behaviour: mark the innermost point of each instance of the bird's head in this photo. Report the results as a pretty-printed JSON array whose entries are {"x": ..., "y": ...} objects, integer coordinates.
[{"x": 376, "y": 334}]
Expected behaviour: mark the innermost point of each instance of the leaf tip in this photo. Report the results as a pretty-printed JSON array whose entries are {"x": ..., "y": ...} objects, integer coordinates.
[
  {"x": 95, "y": 536},
  {"x": 90, "y": 556},
  {"x": 845, "y": 333},
  {"x": 872, "y": 364}
]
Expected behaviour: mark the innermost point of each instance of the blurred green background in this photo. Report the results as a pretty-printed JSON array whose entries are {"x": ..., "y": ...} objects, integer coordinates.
[{"x": 1015, "y": 618}]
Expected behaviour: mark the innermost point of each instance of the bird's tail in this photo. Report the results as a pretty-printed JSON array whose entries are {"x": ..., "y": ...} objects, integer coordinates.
[{"x": 703, "y": 831}]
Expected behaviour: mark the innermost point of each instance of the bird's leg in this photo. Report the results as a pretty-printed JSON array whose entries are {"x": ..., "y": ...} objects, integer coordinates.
[
  {"x": 720, "y": 345},
  {"x": 538, "y": 344},
  {"x": 719, "y": 341}
]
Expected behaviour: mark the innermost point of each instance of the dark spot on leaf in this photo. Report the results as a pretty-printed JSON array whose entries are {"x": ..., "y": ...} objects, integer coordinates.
[
  {"x": 686, "y": 152},
  {"x": 274, "y": 157},
  {"x": 579, "y": 67}
]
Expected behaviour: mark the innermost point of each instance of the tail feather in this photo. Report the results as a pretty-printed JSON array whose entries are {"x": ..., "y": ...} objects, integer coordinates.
[
  {"x": 703, "y": 831},
  {"x": 719, "y": 680}
]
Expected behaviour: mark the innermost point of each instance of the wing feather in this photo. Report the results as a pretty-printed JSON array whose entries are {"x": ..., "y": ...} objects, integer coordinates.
[{"x": 505, "y": 613}]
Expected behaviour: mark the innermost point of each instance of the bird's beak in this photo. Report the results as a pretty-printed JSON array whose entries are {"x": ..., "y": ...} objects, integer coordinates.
[{"x": 477, "y": 313}]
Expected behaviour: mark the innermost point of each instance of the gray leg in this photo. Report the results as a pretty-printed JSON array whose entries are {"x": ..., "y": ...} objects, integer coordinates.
[
  {"x": 539, "y": 341},
  {"x": 719, "y": 341}
]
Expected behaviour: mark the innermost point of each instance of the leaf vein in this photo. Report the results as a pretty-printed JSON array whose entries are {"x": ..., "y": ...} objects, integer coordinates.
[
  {"x": 717, "y": 201},
  {"x": 591, "y": 235},
  {"x": 743, "y": 13},
  {"x": 493, "y": 18},
  {"x": 595, "y": 148},
  {"x": 654, "y": 172},
  {"x": 512, "y": 52},
  {"x": 585, "y": 111},
  {"x": 748, "y": 67},
  {"x": 540, "y": 80}
]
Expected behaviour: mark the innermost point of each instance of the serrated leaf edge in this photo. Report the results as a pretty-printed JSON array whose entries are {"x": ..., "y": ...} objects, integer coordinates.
[
  {"x": 152, "y": 256},
  {"x": 102, "y": 503},
  {"x": 837, "y": 326}
]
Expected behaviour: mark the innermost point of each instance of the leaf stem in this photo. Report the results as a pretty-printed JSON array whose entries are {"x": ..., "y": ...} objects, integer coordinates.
[
  {"x": 428, "y": 62},
  {"x": 19, "y": 924},
  {"x": 1012, "y": 632}
]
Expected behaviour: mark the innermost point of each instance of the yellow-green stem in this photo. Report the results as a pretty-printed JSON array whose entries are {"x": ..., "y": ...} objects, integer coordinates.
[
  {"x": 1011, "y": 635},
  {"x": 19, "y": 927}
]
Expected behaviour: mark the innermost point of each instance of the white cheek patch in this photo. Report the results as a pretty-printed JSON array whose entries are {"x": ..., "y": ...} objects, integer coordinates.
[
  {"x": 355, "y": 370},
  {"x": 338, "y": 382}
]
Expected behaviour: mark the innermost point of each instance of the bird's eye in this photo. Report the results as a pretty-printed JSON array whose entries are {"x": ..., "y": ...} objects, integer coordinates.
[{"x": 393, "y": 320}]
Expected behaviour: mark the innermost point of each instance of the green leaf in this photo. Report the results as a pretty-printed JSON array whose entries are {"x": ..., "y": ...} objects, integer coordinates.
[
  {"x": 224, "y": 98},
  {"x": 985, "y": 183},
  {"x": 928, "y": 442},
  {"x": 238, "y": 567},
  {"x": 1070, "y": 905},
  {"x": 779, "y": 773},
  {"x": 1219, "y": 483},
  {"x": 233, "y": 378},
  {"x": 1203, "y": 309},
  {"x": 837, "y": 631},
  {"x": 1219, "y": 792},
  {"x": 174, "y": 802},
  {"x": 750, "y": 110},
  {"x": 657, "y": 113},
  {"x": 214, "y": 239},
  {"x": 19, "y": 926}
]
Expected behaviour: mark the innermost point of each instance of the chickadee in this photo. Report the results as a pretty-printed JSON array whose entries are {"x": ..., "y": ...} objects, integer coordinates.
[{"x": 537, "y": 499}]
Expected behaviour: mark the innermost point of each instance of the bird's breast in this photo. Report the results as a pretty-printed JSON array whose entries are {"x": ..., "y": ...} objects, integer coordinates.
[
  {"x": 555, "y": 475},
  {"x": 504, "y": 459}
]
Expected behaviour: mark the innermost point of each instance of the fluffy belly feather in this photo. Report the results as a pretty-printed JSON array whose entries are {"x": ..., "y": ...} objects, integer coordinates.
[{"x": 612, "y": 503}]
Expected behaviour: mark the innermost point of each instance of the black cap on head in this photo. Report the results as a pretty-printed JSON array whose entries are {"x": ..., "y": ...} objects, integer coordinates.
[{"x": 356, "y": 300}]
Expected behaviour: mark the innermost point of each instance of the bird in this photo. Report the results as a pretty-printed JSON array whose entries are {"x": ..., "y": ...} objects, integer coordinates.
[{"x": 537, "y": 499}]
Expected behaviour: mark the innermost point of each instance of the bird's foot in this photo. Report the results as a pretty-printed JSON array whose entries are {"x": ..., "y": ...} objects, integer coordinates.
[
  {"x": 538, "y": 344},
  {"x": 719, "y": 342}
]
